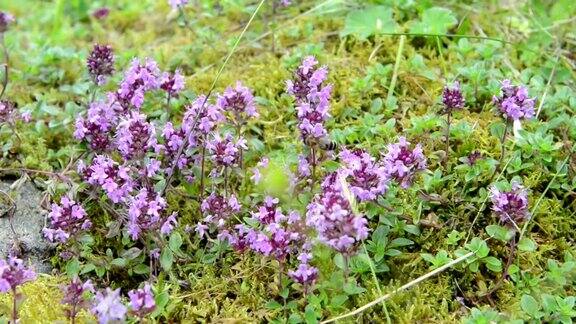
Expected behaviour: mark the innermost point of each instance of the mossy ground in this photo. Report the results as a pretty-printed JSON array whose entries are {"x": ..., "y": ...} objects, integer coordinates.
[{"x": 48, "y": 47}]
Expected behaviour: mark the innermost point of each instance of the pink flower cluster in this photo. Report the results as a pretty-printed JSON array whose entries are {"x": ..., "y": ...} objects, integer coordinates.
[
  {"x": 510, "y": 206},
  {"x": 367, "y": 179},
  {"x": 514, "y": 103},
  {"x": 312, "y": 98},
  {"x": 331, "y": 215},
  {"x": 402, "y": 162},
  {"x": 13, "y": 273},
  {"x": 239, "y": 102},
  {"x": 66, "y": 219}
]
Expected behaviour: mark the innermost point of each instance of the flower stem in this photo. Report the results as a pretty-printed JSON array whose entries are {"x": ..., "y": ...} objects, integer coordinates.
[
  {"x": 503, "y": 142},
  {"x": 202, "y": 170},
  {"x": 14, "y": 309},
  {"x": 6, "y": 63},
  {"x": 448, "y": 120}
]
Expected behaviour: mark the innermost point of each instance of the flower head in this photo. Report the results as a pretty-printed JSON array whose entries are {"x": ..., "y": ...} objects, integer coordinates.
[
  {"x": 217, "y": 209},
  {"x": 175, "y": 4},
  {"x": 7, "y": 111},
  {"x": 510, "y": 206},
  {"x": 208, "y": 116},
  {"x": 138, "y": 79},
  {"x": 402, "y": 163},
  {"x": 13, "y": 273},
  {"x": 142, "y": 301},
  {"x": 514, "y": 103},
  {"x": 97, "y": 128},
  {"x": 225, "y": 150},
  {"x": 108, "y": 306},
  {"x": 110, "y": 176},
  {"x": 5, "y": 20},
  {"x": 305, "y": 274},
  {"x": 239, "y": 101},
  {"x": 135, "y": 136},
  {"x": 452, "y": 97},
  {"x": 312, "y": 98},
  {"x": 101, "y": 13},
  {"x": 66, "y": 219},
  {"x": 100, "y": 63},
  {"x": 172, "y": 83},
  {"x": 74, "y": 296},
  {"x": 366, "y": 178},
  {"x": 145, "y": 212},
  {"x": 331, "y": 215}
]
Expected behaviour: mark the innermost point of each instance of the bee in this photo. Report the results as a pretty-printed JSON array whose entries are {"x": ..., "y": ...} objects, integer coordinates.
[
  {"x": 327, "y": 145},
  {"x": 324, "y": 143}
]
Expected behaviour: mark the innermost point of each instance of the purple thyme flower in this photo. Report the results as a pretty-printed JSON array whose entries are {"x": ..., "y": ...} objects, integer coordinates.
[
  {"x": 175, "y": 4},
  {"x": 367, "y": 179},
  {"x": 510, "y": 206},
  {"x": 225, "y": 150},
  {"x": 5, "y": 20},
  {"x": 269, "y": 212},
  {"x": 331, "y": 215},
  {"x": 208, "y": 116},
  {"x": 100, "y": 63},
  {"x": 108, "y": 306},
  {"x": 172, "y": 83},
  {"x": 473, "y": 158},
  {"x": 135, "y": 136},
  {"x": 113, "y": 178},
  {"x": 239, "y": 238},
  {"x": 304, "y": 168},
  {"x": 239, "y": 101},
  {"x": 138, "y": 79},
  {"x": 101, "y": 13},
  {"x": 97, "y": 128},
  {"x": 402, "y": 163},
  {"x": 256, "y": 172},
  {"x": 514, "y": 104},
  {"x": 217, "y": 209},
  {"x": 74, "y": 296},
  {"x": 26, "y": 116},
  {"x": 13, "y": 274},
  {"x": 144, "y": 212},
  {"x": 169, "y": 224},
  {"x": 312, "y": 98},
  {"x": 7, "y": 111},
  {"x": 142, "y": 301},
  {"x": 66, "y": 219},
  {"x": 452, "y": 97},
  {"x": 305, "y": 275}
]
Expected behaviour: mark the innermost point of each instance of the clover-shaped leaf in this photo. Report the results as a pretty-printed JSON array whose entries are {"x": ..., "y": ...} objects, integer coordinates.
[
  {"x": 435, "y": 20},
  {"x": 370, "y": 21}
]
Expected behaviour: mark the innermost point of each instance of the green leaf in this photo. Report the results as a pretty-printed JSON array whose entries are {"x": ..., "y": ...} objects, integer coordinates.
[
  {"x": 527, "y": 245},
  {"x": 499, "y": 232},
  {"x": 119, "y": 262},
  {"x": 352, "y": 289},
  {"x": 492, "y": 263},
  {"x": 273, "y": 305},
  {"x": 166, "y": 259},
  {"x": 175, "y": 241},
  {"x": 141, "y": 269},
  {"x": 435, "y": 20},
  {"x": 131, "y": 253},
  {"x": 72, "y": 268},
  {"x": 370, "y": 21},
  {"x": 530, "y": 305},
  {"x": 479, "y": 247}
]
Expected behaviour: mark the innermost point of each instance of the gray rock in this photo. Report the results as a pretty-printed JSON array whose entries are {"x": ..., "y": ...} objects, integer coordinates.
[{"x": 28, "y": 221}]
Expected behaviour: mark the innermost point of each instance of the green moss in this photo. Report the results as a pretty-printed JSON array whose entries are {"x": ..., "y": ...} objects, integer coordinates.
[{"x": 41, "y": 303}]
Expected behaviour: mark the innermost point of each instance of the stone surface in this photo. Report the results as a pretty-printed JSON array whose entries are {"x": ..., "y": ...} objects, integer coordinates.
[{"x": 28, "y": 221}]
